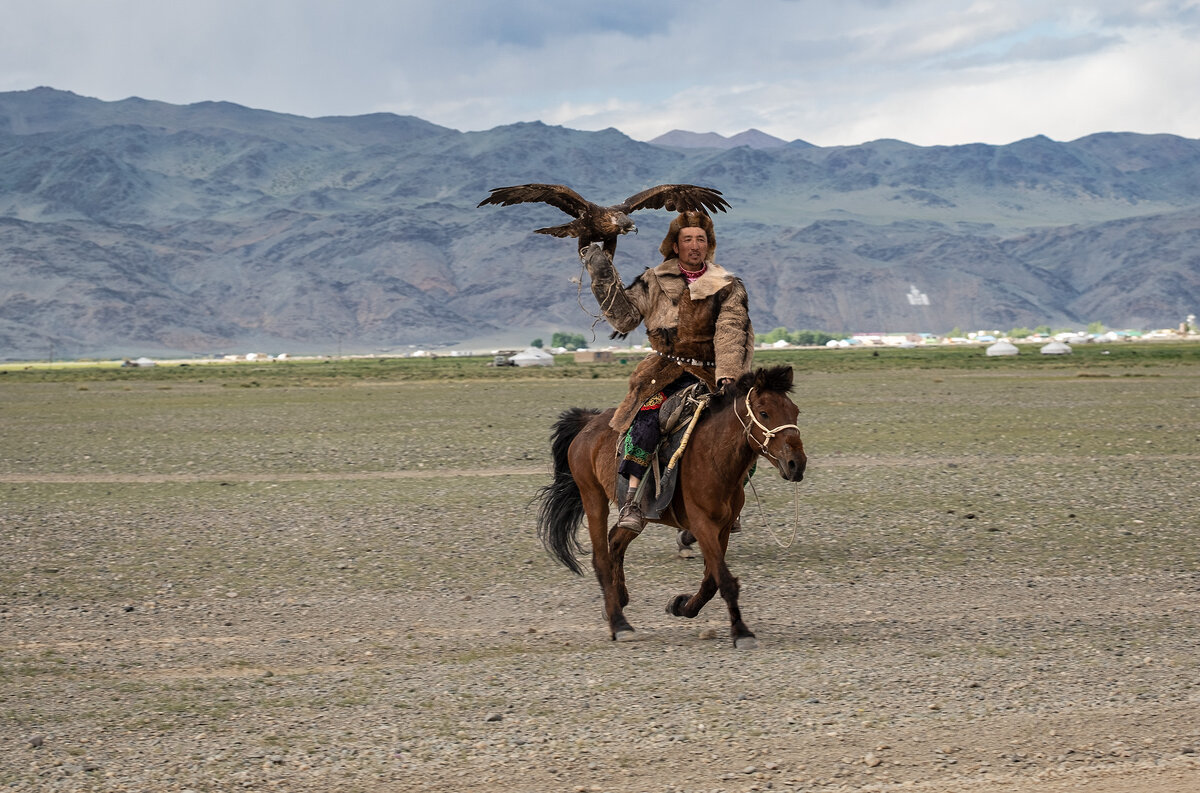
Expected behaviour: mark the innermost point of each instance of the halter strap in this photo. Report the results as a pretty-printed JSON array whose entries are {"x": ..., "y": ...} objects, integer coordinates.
[{"x": 768, "y": 434}]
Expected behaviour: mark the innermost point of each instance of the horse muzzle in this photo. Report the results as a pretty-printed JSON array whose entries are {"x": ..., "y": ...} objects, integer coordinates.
[
  {"x": 792, "y": 469},
  {"x": 791, "y": 462}
]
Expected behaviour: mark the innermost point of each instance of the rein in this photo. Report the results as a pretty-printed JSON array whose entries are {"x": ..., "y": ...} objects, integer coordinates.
[
  {"x": 768, "y": 434},
  {"x": 795, "y": 515}
]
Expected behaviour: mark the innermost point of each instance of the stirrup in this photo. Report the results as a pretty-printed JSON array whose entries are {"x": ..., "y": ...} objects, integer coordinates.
[{"x": 631, "y": 517}]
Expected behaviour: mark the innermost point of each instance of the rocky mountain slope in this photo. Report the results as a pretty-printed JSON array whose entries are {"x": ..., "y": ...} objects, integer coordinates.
[{"x": 141, "y": 227}]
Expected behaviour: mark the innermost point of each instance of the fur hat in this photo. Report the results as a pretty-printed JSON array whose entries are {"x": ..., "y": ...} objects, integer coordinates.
[{"x": 689, "y": 220}]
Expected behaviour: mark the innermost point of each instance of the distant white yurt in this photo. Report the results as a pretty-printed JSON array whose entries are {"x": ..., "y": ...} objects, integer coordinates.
[
  {"x": 533, "y": 356},
  {"x": 1056, "y": 348},
  {"x": 1002, "y": 348}
]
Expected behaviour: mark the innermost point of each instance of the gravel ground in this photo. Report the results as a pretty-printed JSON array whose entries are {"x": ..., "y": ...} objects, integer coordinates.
[{"x": 995, "y": 586}]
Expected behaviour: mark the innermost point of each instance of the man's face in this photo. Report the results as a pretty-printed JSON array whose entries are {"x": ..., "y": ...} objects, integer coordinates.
[{"x": 691, "y": 246}]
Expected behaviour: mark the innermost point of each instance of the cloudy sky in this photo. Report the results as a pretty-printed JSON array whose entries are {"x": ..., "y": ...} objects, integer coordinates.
[{"x": 832, "y": 72}]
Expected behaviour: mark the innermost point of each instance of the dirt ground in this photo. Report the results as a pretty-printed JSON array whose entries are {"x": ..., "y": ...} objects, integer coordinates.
[{"x": 974, "y": 604}]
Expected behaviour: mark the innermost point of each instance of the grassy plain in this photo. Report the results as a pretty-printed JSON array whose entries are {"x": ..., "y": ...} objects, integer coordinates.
[
  {"x": 900, "y": 455},
  {"x": 326, "y": 371},
  {"x": 324, "y": 576}
]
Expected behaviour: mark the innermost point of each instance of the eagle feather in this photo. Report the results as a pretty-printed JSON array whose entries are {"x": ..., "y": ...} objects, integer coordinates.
[{"x": 595, "y": 223}]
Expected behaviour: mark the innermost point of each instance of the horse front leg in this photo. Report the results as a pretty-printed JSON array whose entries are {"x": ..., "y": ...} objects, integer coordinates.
[
  {"x": 717, "y": 578},
  {"x": 689, "y": 605},
  {"x": 743, "y": 637}
]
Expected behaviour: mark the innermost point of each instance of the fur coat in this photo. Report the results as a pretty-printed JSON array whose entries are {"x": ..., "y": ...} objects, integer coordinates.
[{"x": 703, "y": 328}]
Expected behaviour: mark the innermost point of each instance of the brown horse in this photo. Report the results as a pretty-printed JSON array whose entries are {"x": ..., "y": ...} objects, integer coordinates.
[{"x": 754, "y": 417}]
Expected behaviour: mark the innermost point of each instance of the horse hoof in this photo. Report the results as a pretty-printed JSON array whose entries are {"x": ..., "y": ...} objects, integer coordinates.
[
  {"x": 625, "y": 635},
  {"x": 745, "y": 643},
  {"x": 686, "y": 553},
  {"x": 675, "y": 604}
]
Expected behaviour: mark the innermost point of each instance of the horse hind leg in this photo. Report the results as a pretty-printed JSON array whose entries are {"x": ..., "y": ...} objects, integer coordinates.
[
  {"x": 608, "y": 563},
  {"x": 608, "y": 575},
  {"x": 618, "y": 542}
]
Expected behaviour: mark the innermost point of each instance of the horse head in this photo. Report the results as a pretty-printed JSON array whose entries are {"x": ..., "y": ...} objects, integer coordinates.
[{"x": 768, "y": 416}]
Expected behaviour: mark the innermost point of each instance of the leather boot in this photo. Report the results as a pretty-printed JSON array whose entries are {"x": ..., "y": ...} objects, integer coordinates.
[{"x": 631, "y": 517}]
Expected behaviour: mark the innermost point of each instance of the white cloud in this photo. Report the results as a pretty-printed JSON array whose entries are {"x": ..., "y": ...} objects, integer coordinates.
[
  {"x": 926, "y": 71},
  {"x": 1136, "y": 86}
]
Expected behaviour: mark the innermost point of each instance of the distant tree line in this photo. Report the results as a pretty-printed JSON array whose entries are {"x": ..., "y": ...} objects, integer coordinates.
[
  {"x": 570, "y": 341},
  {"x": 1022, "y": 333},
  {"x": 811, "y": 338},
  {"x": 800, "y": 338},
  {"x": 1093, "y": 328}
]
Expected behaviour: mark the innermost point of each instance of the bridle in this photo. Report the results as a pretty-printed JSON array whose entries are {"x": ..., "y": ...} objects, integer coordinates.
[{"x": 767, "y": 434}]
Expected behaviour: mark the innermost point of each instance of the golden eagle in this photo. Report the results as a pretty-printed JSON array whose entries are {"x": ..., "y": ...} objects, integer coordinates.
[{"x": 594, "y": 223}]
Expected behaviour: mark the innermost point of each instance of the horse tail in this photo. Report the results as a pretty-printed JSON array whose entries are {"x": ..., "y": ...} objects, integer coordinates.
[{"x": 561, "y": 507}]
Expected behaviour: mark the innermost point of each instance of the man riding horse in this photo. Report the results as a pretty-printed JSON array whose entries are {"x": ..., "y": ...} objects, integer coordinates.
[{"x": 698, "y": 326}]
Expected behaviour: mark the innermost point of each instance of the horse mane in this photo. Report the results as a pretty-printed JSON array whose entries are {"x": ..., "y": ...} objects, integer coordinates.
[{"x": 776, "y": 379}]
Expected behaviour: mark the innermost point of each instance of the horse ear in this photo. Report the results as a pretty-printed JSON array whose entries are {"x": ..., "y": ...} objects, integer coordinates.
[{"x": 777, "y": 378}]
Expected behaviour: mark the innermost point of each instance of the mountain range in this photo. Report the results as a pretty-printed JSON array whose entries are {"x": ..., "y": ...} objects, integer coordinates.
[
  {"x": 755, "y": 139},
  {"x": 141, "y": 227}
]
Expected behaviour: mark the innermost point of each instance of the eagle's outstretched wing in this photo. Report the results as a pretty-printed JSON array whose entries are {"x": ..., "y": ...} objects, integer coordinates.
[
  {"x": 594, "y": 223},
  {"x": 555, "y": 195},
  {"x": 676, "y": 198}
]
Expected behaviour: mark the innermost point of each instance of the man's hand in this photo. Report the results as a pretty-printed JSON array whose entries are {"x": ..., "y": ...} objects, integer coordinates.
[{"x": 586, "y": 252}]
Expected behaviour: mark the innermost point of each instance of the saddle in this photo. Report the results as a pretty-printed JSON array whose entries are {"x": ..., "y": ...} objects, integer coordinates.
[
  {"x": 675, "y": 419},
  {"x": 679, "y": 408}
]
